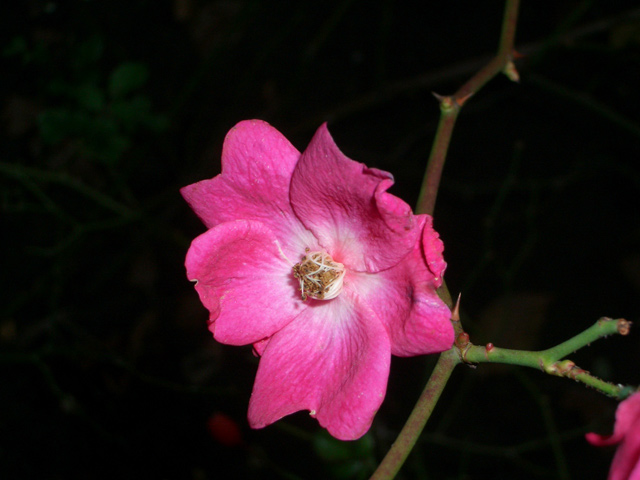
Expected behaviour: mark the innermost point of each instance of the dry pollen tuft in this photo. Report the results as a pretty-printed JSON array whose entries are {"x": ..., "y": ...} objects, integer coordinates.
[{"x": 320, "y": 277}]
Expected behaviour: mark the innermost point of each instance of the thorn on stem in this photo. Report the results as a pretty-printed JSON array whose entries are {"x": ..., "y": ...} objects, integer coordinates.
[
  {"x": 488, "y": 348},
  {"x": 448, "y": 103},
  {"x": 511, "y": 72},
  {"x": 461, "y": 101},
  {"x": 455, "y": 313},
  {"x": 439, "y": 97}
]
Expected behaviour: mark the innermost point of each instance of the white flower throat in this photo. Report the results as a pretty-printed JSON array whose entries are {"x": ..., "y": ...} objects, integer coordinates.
[{"x": 320, "y": 277}]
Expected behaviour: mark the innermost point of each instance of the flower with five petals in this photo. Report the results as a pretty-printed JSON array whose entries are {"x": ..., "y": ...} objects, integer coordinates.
[{"x": 310, "y": 260}]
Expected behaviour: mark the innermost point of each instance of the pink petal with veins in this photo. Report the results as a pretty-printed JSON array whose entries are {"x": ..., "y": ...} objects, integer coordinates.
[
  {"x": 244, "y": 281},
  {"x": 269, "y": 208},
  {"x": 257, "y": 164},
  {"x": 406, "y": 302},
  {"x": 432, "y": 248},
  {"x": 346, "y": 206},
  {"x": 332, "y": 360}
]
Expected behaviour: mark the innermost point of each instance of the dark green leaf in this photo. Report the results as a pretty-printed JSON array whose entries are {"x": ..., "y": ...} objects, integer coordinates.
[{"x": 127, "y": 78}]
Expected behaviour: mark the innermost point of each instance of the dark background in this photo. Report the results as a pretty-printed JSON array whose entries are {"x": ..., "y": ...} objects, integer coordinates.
[{"x": 107, "y": 369}]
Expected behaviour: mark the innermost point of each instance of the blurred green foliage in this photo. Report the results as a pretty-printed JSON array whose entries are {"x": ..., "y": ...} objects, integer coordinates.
[
  {"x": 108, "y": 108},
  {"x": 346, "y": 460},
  {"x": 99, "y": 116}
]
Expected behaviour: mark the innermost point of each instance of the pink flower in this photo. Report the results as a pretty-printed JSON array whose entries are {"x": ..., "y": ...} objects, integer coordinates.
[
  {"x": 308, "y": 258},
  {"x": 626, "y": 463}
]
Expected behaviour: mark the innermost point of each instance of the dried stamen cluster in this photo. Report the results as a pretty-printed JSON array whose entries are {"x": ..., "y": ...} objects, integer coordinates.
[{"x": 320, "y": 277}]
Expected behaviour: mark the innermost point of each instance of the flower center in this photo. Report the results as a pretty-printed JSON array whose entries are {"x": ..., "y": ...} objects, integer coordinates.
[{"x": 320, "y": 277}]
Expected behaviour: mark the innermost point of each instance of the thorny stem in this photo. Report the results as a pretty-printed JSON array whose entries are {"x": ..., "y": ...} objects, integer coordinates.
[
  {"x": 450, "y": 107},
  {"x": 400, "y": 449},
  {"x": 551, "y": 360}
]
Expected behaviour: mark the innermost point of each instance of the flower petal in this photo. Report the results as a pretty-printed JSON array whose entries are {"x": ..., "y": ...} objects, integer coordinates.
[
  {"x": 627, "y": 413},
  {"x": 432, "y": 248},
  {"x": 626, "y": 462},
  {"x": 244, "y": 281},
  {"x": 346, "y": 206},
  {"x": 332, "y": 360},
  {"x": 405, "y": 299},
  {"x": 257, "y": 164}
]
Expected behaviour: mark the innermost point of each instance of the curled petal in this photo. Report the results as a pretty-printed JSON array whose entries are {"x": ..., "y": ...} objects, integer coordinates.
[
  {"x": 244, "y": 281},
  {"x": 257, "y": 163},
  {"x": 405, "y": 299},
  {"x": 432, "y": 248},
  {"x": 332, "y": 360},
  {"x": 627, "y": 414},
  {"x": 346, "y": 206},
  {"x": 626, "y": 463}
]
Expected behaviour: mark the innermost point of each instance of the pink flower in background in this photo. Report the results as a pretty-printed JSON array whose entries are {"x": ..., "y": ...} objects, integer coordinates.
[
  {"x": 626, "y": 433},
  {"x": 308, "y": 258}
]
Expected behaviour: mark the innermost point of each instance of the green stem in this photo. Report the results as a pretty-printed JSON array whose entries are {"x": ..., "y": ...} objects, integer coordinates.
[
  {"x": 449, "y": 109},
  {"x": 409, "y": 434},
  {"x": 450, "y": 106},
  {"x": 551, "y": 360}
]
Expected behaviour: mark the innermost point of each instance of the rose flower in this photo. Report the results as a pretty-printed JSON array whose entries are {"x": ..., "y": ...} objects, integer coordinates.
[{"x": 311, "y": 261}]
